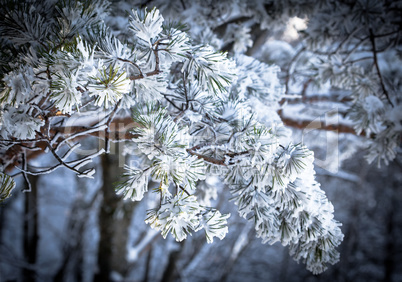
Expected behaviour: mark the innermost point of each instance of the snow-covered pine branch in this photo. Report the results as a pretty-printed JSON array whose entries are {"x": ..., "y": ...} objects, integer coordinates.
[
  {"x": 197, "y": 114},
  {"x": 349, "y": 46}
]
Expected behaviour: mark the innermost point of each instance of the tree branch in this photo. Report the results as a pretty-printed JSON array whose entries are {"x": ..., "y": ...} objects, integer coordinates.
[
  {"x": 302, "y": 124},
  {"x": 107, "y": 129},
  {"x": 372, "y": 39},
  {"x": 206, "y": 158}
]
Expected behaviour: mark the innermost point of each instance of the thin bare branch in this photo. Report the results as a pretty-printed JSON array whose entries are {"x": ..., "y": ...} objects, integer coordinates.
[
  {"x": 107, "y": 129},
  {"x": 24, "y": 174},
  {"x": 206, "y": 158},
  {"x": 372, "y": 39}
]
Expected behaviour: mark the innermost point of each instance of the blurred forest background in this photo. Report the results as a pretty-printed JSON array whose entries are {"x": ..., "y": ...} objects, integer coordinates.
[{"x": 61, "y": 230}]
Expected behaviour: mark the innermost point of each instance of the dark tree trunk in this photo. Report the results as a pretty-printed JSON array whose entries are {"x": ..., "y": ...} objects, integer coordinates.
[
  {"x": 106, "y": 218},
  {"x": 148, "y": 265},
  {"x": 170, "y": 271},
  {"x": 30, "y": 228},
  {"x": 2, "y": 216},
  {"x": 120, "y": 238},
  {"x": 113, "y": 230},
  {"x": 390, "y": 244}
]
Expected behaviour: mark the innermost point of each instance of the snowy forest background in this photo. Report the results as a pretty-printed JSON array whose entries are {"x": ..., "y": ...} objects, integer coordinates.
[{"x": 58, "y": 231}]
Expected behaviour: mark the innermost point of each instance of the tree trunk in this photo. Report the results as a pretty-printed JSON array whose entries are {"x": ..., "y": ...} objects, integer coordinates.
[
  {"x": 390, "y": 244},
  {"x": 114, "y": 220},
  {"x": 106, "y": 217},
  {"x": 171, "y": 272},
  {"x": 2, "y": 216},
  {"x": 120, "y": 238},
  {"x": 30, "y": 229},
  {"x": 148, "y": 265}
]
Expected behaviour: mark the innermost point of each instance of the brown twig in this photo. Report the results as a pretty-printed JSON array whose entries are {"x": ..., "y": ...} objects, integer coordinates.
[
  {"x": 141, "y": 76},
  {"x": 206, "y": 158}
]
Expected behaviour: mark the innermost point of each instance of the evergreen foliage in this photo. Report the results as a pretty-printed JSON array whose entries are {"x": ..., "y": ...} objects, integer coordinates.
[{"x": 196, "y": 111}]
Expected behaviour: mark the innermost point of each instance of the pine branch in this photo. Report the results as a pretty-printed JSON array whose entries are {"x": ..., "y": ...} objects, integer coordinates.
[{"x": 37, "y": 146}]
